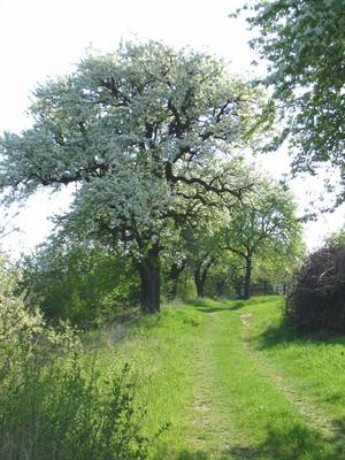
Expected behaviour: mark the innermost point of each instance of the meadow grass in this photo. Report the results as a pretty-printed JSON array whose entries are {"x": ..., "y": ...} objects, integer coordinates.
[
  {"x": 157, "y": 349},
  {"x": 261, "y": 422},
  {"x": 229, "y": 382},
  {"x": 313, "y": 364}
]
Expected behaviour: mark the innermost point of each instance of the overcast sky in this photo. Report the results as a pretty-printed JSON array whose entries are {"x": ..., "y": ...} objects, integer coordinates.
[{"x": 41, "y": 38}]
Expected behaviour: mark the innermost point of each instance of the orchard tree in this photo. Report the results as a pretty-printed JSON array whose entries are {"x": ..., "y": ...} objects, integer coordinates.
[
  {"x": 202, "y": 243},
  {"x": 142, "y": 132},
  {"x": 304, "y": 44},
  {"x": 225, "y": 277},
  {"x": 279, "y": 264},
  {"x": 264, "y": 225},
  {"x": 174, "y": 261},
  {"x": 196, "y": 246}
]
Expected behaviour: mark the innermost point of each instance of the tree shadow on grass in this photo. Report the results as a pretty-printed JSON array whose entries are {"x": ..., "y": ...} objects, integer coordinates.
[
  {"x": 338, "y": 438},
  {"x": 237, "y": 305},
  {"x": 202, "y": 306},
  {"x": 189, "y": 454},
  {"x": 212, "y": 309},
  {"x": 276, "y": 335},
  {"x": 183, "y": 454},
  {"x": 295, "y": 443}
]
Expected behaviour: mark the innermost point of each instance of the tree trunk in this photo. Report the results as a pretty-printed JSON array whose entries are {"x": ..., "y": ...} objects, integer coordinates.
[
  {"x": 238, "y": 289},
  {"x": 150, "y": 281},
  {"x": 284, "y": 289},
  {"x": 220, "y": 285},
  {"x": 248, "y": 277},
  {"x": 174, "y": 274},
  {"x": 199, "y": 284},
  {"x": 200, "y": 276}
]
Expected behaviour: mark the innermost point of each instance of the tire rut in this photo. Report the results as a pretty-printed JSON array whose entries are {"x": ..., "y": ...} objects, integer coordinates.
[
  {"x": 313, "y": 416},
  {"x": 211, "y": 431}
]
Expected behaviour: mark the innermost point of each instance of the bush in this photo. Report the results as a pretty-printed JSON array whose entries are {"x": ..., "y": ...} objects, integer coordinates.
[
  {"x": 51, "y": 405},
  {"x": 317, "y": 301},
  {"x": 61, "y": 414},
  {"x": 87, "y": 286}
]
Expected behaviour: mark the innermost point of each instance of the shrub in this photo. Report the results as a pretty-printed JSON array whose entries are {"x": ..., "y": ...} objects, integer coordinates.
[
  {"x": 87, "y": 286},
  {"x": 51, "y": 404},
  {"x": 317, "y": 300},
  {"x": 61, "y": 414}
]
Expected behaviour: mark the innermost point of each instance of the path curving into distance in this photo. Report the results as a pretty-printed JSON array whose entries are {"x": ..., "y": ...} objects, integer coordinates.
[{"x": 243, "y": 406}]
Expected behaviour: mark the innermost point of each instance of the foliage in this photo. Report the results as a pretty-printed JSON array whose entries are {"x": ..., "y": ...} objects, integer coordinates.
[
  {"x": 23, "y": 333},
  {"x": 146, "y": 134},
  {"x": 263, "y": 230},
  {"x": 81, "y": 283},
  {"x": 58, "y": 413},
  {"x": 233, "y": 243},
  {"x": 201, "y": 246},
  {"x": 304, "y": 43},
  {"x": 226, "y": 277},
  {"x": 52, "y": 404},
  {"x": 195, "y": 248},
  {"x": 316, "y": 302}
]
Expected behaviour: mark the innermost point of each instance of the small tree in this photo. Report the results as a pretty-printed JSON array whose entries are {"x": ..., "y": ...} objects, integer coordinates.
[
  {"x": 225, "y": 277},
  {"x": 263, "y": 224},
  {"x": 197, "y": 246},
  {"x": 202, "y": 248}
]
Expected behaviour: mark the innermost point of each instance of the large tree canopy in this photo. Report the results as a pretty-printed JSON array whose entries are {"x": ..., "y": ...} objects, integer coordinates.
[
  {"x": 304, "y": 43},
  {"x": 145, "y": 133}
]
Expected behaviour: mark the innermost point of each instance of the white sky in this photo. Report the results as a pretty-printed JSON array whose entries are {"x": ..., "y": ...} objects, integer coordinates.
[
  {"x": 46, "y": 37},
  {"x": 40, "y": 38}
]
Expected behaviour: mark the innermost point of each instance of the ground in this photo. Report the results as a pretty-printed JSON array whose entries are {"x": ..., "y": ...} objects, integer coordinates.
[{"x": 232, "y": 384}]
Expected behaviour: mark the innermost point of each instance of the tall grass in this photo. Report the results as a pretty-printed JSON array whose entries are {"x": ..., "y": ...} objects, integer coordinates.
[
  {"x": 159, "y": 350},
  {"x": 59, "y": 413},
  {"x": 312, "y": 363},
  {"x": 55, "y": 404}
]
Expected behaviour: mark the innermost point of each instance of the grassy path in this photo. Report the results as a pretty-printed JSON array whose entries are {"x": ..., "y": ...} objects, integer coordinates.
[
  {"x": 244, "y": 406},
  {"x": 211, "y": 425},
  {"x": 315, "y": 418},
  {"x": 232, "y": 387}
]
